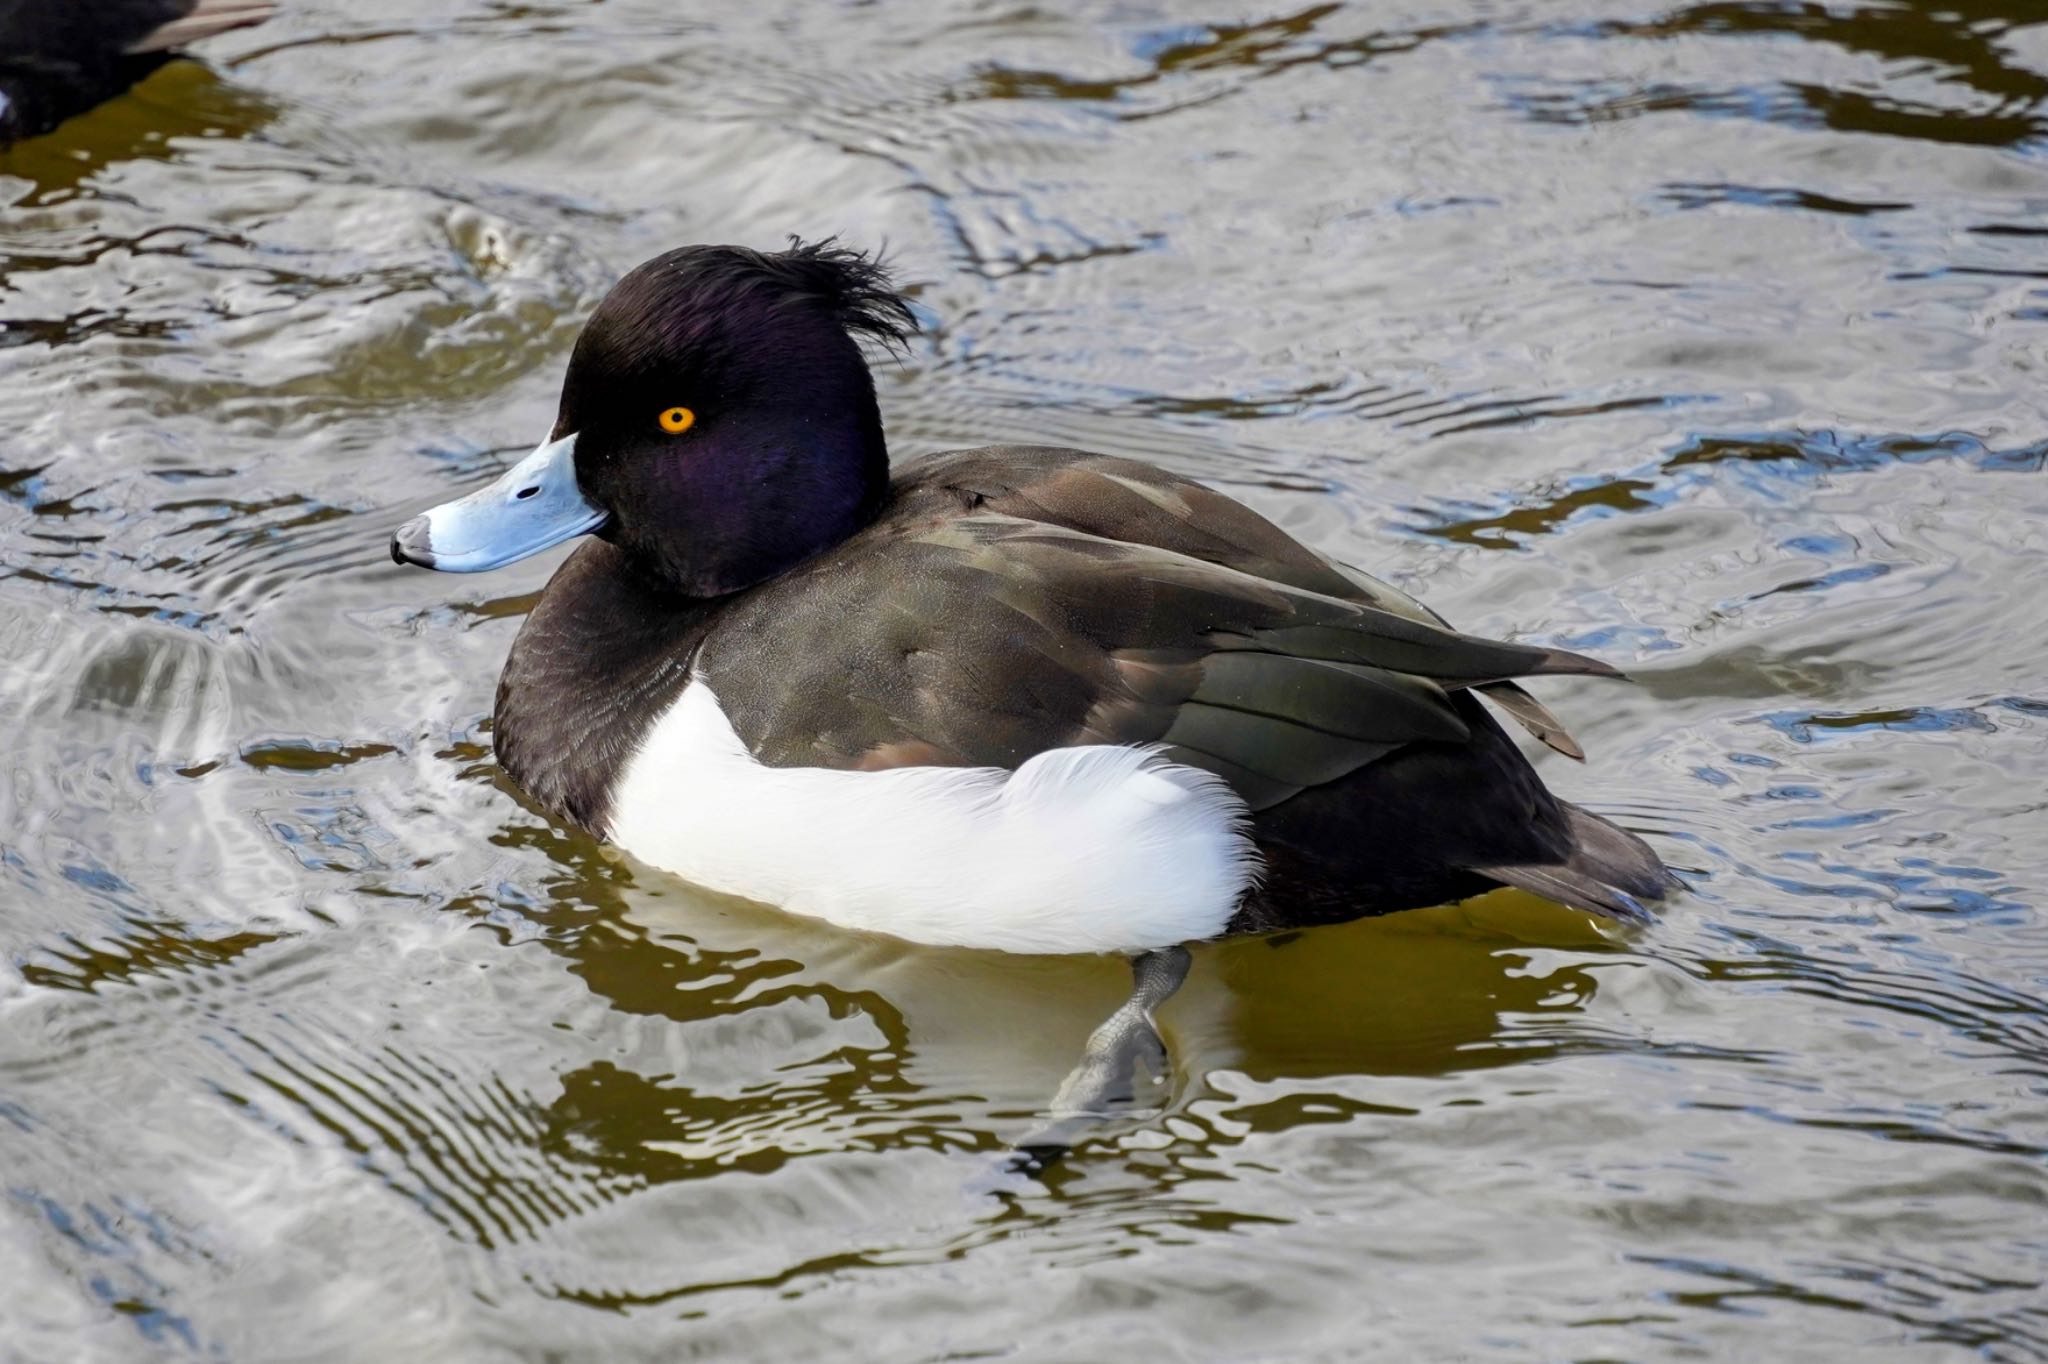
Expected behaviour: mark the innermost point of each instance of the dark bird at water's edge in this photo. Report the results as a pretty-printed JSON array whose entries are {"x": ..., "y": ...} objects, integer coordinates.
[
  {"x": 61, "y": 57},
  {"x": 1018, "y": 697}
]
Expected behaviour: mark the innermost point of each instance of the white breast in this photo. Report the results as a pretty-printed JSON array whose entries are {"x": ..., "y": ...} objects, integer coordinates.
[{"x": 1091, "y": 849}]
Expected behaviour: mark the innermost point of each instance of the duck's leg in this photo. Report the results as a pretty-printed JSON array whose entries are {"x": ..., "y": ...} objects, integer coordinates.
[
  {"x": 1125, "y": 1064},
  {"x": 1125, "y": 1058}
]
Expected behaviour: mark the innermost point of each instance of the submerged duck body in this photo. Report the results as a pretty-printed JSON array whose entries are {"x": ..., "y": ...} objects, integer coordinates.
[
  {"x": 61, "y": 57},
  {"x": 1018, "y": 697}
]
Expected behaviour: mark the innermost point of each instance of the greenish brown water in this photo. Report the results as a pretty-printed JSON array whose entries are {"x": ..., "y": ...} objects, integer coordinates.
[{"x": 1707, "y": 337}]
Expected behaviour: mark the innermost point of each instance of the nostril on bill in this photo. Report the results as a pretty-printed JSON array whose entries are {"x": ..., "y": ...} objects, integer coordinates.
[{"x": 525, "y": 493}]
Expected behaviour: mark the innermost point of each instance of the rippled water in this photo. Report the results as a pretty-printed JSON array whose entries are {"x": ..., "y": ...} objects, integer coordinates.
[{"x": 1707, "y": 337}]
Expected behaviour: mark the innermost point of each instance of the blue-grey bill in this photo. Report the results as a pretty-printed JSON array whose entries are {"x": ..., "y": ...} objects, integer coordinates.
[{"x": 535, "y": 505}]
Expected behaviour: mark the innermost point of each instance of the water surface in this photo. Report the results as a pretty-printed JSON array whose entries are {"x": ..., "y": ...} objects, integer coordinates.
[{"x": 1706, "y": 337}]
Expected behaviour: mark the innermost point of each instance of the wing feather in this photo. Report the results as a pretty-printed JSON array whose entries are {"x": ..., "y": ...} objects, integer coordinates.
[{"x": 975, "y": 630}]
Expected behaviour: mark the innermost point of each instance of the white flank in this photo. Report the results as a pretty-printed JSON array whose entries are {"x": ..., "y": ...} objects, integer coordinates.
[{"x": 1093, "y": 849}]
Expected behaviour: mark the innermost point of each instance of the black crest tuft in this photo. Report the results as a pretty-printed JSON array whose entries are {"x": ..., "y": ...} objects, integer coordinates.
[
  {"x": 738, "y": 324},
  {"x": 848, "y": 286},
  {"x": 853, "y": 286}
]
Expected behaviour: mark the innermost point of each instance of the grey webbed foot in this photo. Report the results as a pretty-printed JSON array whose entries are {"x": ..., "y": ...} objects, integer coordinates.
[{"x": 1125, "y": 1068}]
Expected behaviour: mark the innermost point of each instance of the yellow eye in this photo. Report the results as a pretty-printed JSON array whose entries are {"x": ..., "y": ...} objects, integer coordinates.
[{"x": 677, "y": 420}]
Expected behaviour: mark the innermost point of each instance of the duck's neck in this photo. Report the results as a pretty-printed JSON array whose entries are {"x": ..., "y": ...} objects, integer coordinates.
[{"x": 602, "y": 655}]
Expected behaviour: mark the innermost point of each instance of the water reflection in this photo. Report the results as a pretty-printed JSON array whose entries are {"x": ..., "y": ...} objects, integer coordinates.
[
  {"x": 1686, "y": 471},
  {"x": 178, "y": 101},
  {"x": 1933, "y": 46}
]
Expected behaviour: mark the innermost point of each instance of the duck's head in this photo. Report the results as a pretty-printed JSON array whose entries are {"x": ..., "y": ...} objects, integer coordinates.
[{"x": 718, "y": 424}]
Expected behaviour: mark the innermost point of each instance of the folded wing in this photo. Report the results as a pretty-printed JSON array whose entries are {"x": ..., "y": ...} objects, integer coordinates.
[{"x": 985, "y": 638}]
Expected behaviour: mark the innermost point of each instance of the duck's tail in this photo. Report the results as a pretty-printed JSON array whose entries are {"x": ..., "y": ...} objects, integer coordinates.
[{"x": 1609, "y": 871}]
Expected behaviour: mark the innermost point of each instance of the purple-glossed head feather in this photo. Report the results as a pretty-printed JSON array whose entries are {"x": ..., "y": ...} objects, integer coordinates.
[{"x": 783, "y": 453}]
